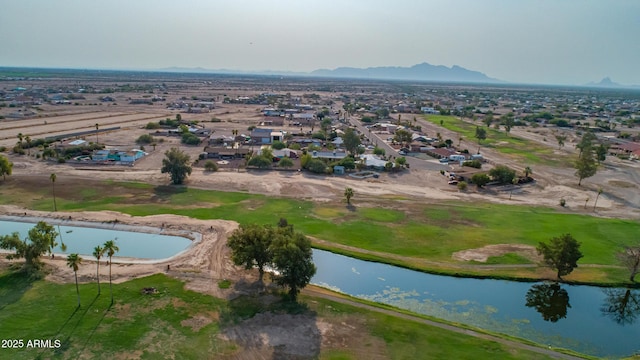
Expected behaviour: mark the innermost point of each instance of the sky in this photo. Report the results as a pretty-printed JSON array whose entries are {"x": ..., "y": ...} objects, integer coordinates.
[{"x": 570, "y": 42}]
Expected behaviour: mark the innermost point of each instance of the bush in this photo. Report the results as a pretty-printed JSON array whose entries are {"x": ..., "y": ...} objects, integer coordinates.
[
  {"x": 480, "y": 179},
  {"x": 145, "y": 139},
  {"x": 190, "y": 139},
  {"x": 209, "y": 165},
  {"x": 278, "y": 145},
  {"x": 563, "y": 202},
  {"x": 473, "y": 163},
  {"x": 316, "y": 166},
  {"x": 18, "y": 150},
  {"x": 462, "y": 185},
  {"x": 152, "y": 126}
]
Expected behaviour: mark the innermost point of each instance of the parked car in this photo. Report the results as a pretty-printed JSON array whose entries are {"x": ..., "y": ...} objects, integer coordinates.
[{"x": 444, "y": 161}]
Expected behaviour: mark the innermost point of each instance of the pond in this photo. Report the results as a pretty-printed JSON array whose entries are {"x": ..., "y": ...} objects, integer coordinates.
[
  {"x": 133, "y": 243},
  {"x": 591, "y": 320}
]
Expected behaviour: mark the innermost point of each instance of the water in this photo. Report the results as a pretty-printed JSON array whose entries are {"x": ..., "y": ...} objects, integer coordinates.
[
  {"x": 82, "y": 240},
  {"x": 587, "y": 319}
]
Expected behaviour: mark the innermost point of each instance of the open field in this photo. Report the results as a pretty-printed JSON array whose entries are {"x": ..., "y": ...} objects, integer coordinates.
[
  {"x": 516, "y": 148},
  {"x": 413, "y": 234},
  {"x": 175, "y": 321}
]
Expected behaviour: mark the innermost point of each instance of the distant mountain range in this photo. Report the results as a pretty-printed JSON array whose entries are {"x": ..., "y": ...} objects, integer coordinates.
[{"x": 419, "y": 72}]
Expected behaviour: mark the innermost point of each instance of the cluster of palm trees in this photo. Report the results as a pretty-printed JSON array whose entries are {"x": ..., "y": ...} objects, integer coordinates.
[{"x": 74, "y": 260}]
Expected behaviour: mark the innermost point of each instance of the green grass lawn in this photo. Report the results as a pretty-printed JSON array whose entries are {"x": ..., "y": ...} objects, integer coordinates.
[
  {"x": 158, "y": 326},
  {"x": 528, "y": 152},
  {"x": 431, "y": 232}
]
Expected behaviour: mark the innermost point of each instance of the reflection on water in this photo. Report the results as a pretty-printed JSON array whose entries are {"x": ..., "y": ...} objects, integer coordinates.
[
  {"x": 621, "y": 305},
  {"x": 550, "y": 300},
  {"x": 539, "y": 312}
]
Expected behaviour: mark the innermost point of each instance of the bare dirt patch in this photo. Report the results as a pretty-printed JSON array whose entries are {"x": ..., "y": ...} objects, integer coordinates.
[
  {"x": 197, "y": 322},
  {"x": 484, "y": 253}
]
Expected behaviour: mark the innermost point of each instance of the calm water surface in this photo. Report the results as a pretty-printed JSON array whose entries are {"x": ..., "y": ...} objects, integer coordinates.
[
  {"x": 82, "y": 240},
  {"x": 591, "y": 320}
]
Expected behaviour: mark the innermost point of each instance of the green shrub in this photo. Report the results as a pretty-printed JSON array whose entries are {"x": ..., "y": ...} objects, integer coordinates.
[
  {"x": 209, "y": 165},
  {"x": 462, "y": 185},
  {"x": 316, "y": 166},
  {"x": 152, "y": 125},
  {"x": 190, "y": 139},
  {"x": 473, "y": 163},
  {"x": 145, "y": 139}
]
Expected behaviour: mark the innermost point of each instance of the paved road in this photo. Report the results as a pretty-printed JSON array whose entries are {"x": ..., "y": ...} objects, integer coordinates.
[{"x": 380, "y": 141}]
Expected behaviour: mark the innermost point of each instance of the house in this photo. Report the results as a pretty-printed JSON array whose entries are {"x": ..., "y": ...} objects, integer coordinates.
[
  {"x": 272, "y": 112},
  {"x": 440, "y": 153},
  {"x": 225, "y": 152},
  {"x": 277, "y": 136},
  {"x": 261, "y": 136},
  {"x": 332, "y": 155},
  {"x": 292, "y": 154},
  {"x": 118, "y": 156},
  {"x": 373, "y": 162},
  {"x": 429, "y": 110}
]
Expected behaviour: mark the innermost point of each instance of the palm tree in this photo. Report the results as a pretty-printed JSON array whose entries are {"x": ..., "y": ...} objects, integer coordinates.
[
  {"x": 74, "y": 261},
  {"x": 348, "y": 194},
  {"x": 98, "y": 251},
  {"x": 53, "y": 190},
  {"x": 597, "y": 196},
  {"x": 97, "y": 127},
  {"x": 110, "y": 248}
]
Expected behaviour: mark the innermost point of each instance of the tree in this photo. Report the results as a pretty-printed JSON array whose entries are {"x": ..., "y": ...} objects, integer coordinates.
[
  {"x": 292, "y": 258},
  {"x": 514, "y": 182},
  {"x": 176, "y": 163},
  {"x": 74, "y": 261},
  {"x": 508, "y": 121},
  {"x": 6, "y": 167},
  {"x": 550, "y": 300},
  {"x": 527, "y": 172},
  {"x": 98, "y": 251},
  {"x": 630, "y": 258},
  {"x": 502, "y": 174},
  {"x": 378, "y": 151},
  {"x": 285, "y": 163},
  {"x": 351, "y": 141},
  {"x": 561, "y": 253},
  {"x": 110, "y": 248},
  {"x": 403, "y": 137},
  {"x": 348, "y": 194},
  {"x": 20, "y": 138},
  {"x": 250, "y": 246},
  {"x": 480, "y": 179},
  {"x": 481, "y": 134},
  {"x": 97, "y": 128},
  {"x": 601, "y": 153},
  {"x": 586, "y": 164},
  {"x": 53, "y": 177},
  {"x": 597, "y": 196},
  {"x": 561, "y": 139},
  {"x": 41, "y": 239},
  {"x": 260, "y": 162}
]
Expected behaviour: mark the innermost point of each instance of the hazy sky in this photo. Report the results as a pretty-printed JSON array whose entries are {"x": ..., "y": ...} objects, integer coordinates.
[{"x": 529, "y": 41}]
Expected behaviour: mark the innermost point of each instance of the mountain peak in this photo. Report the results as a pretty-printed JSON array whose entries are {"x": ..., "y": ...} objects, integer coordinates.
[{"x": 419, "y": 72}]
